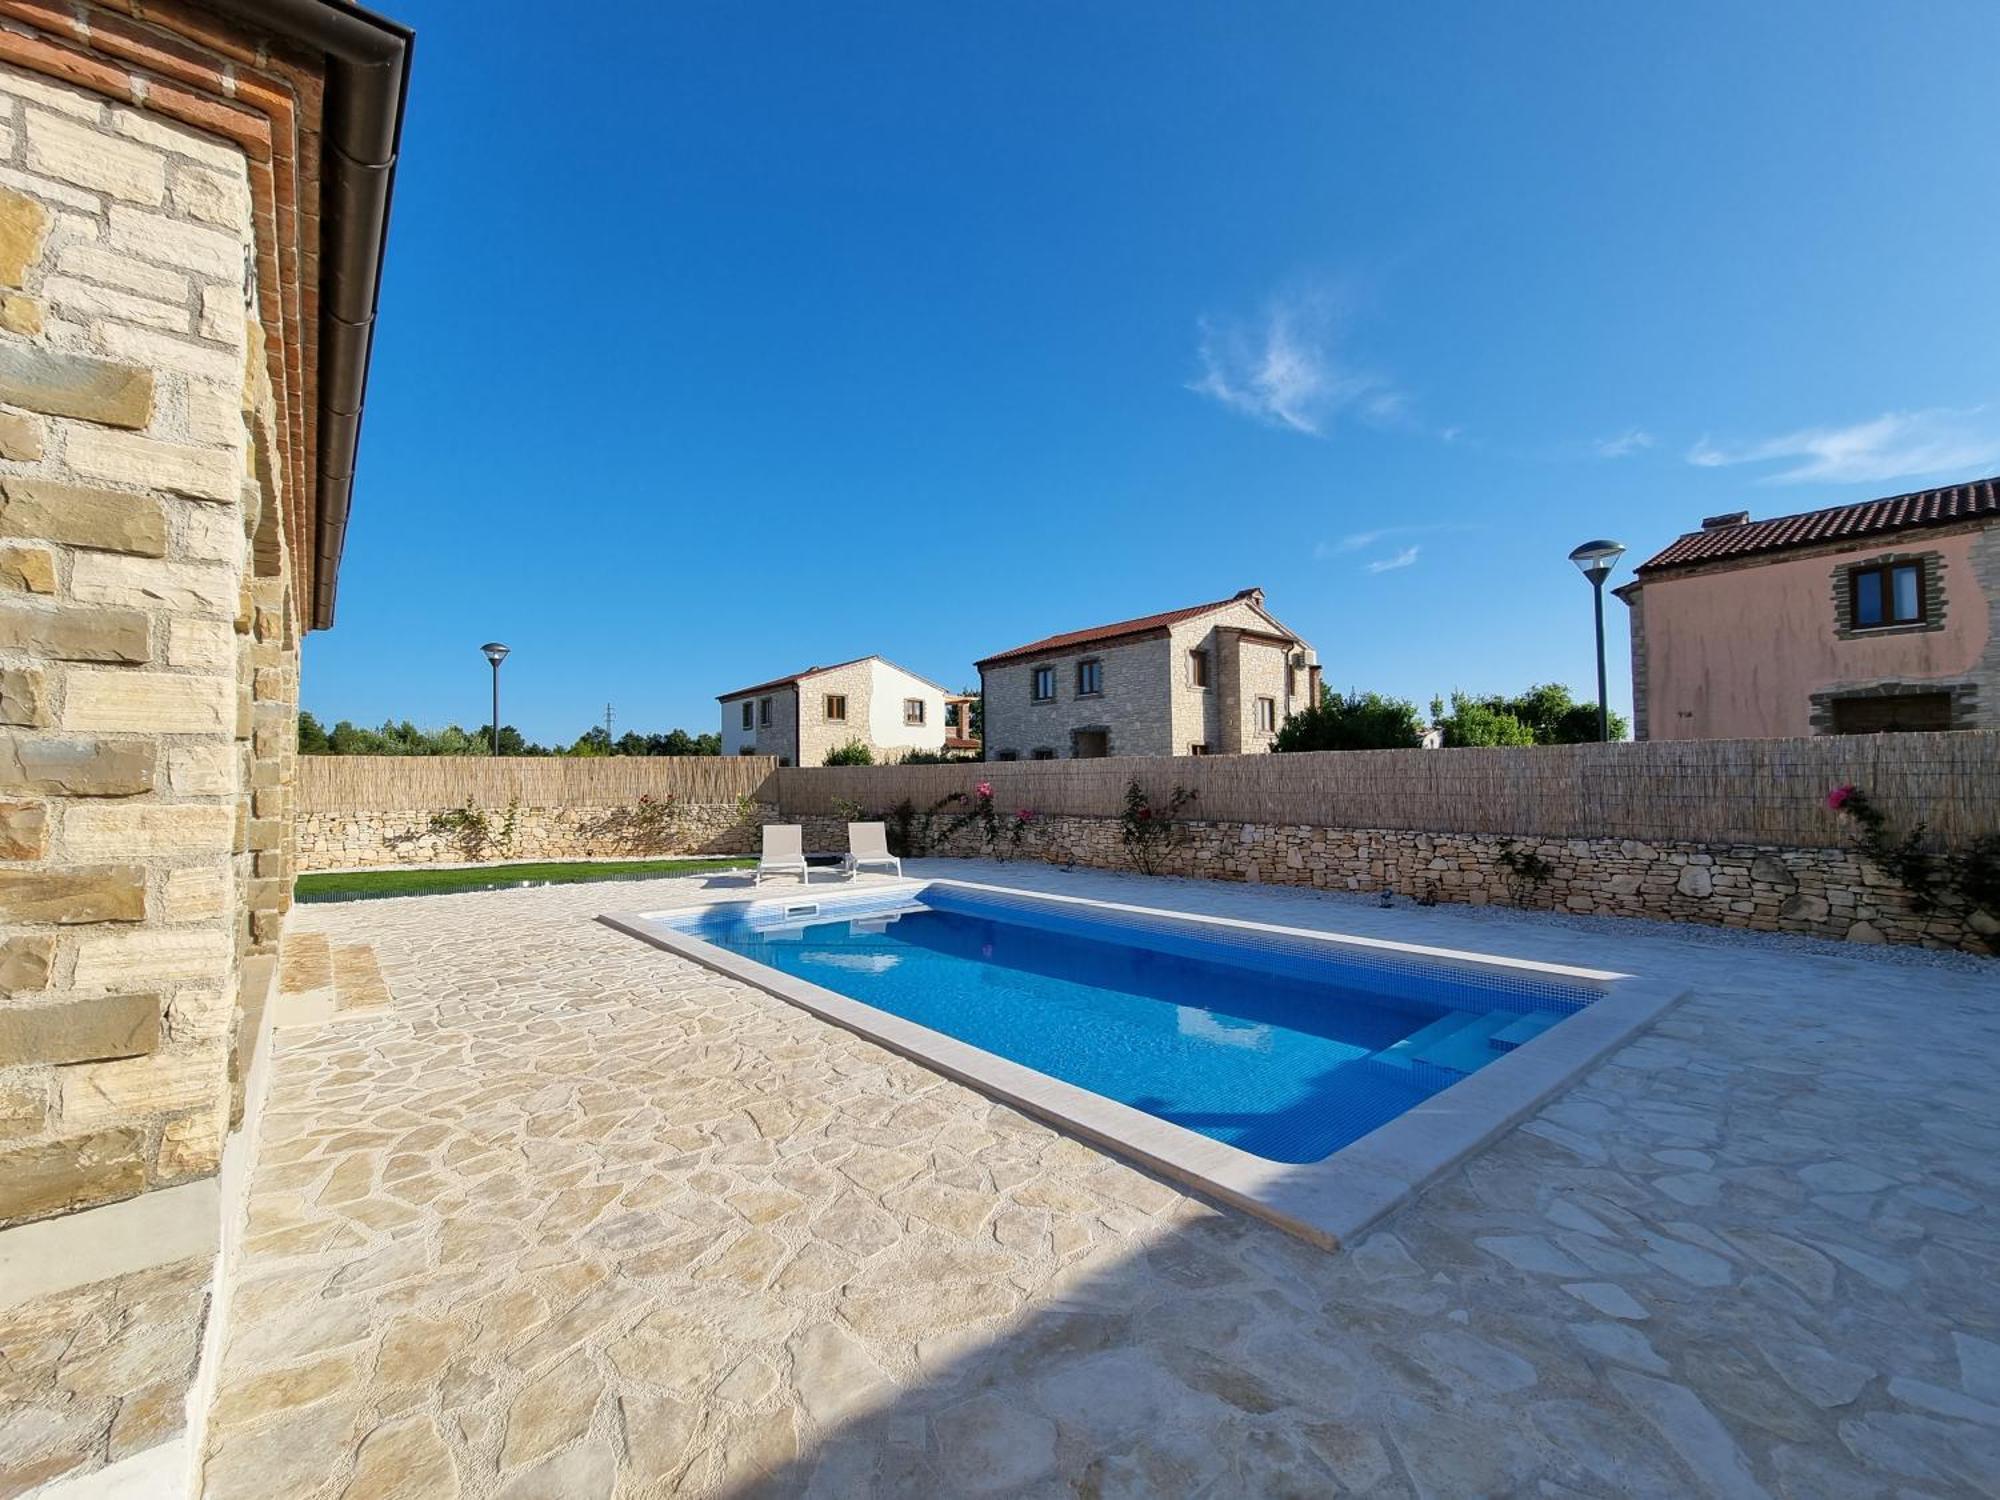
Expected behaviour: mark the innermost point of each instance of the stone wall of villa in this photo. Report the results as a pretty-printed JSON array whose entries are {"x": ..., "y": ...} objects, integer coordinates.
[
  {"x": 148, "y": 646},
  {"x": 1830, "y": 893}
]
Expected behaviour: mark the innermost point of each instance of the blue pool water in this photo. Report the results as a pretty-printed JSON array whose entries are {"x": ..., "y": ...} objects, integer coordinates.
[{"x": 1280, "y": 1051}]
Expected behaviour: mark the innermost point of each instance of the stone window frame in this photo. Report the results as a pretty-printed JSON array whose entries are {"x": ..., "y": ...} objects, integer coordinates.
[
  {"x": 1035, "y": 681},
  {"x": 1932, "y": 595},
  {"x": 1082, "y": 729},
  {"x": 1264, "y": 701},
  {"x": 834, "y": 716},
  {"x": 749, "y": 713},
  {"x": 1042, "y": 752},
  {"x": 913, "y": 713},
  {"x": 1964, "y": 698},
  {"x": 763, "y": 713},
  {"x": 1199, "y": 669},
  {"x": 1091, "y": 692}
]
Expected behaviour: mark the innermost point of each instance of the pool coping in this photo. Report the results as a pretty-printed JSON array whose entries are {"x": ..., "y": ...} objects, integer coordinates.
[{"x": 1327, "y": 1203}]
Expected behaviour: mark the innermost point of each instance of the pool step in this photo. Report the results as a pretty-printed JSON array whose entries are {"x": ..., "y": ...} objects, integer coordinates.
[
  {"x": 1525, "y": 1028},
  {"x": 1469, "y": 1047},
  {"x": 1404, "y": 1053},
  {"x": 1465, "y": 1040}
]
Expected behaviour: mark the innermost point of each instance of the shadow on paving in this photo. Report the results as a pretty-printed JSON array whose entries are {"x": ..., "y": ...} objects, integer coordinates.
[{"x": 1228, "y": 1358}]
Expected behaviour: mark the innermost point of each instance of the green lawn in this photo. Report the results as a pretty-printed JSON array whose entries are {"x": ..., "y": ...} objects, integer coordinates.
[{"x": 360, "y": 885}]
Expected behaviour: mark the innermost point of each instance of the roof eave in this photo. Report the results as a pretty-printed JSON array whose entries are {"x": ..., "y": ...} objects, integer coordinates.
[{"x": 367, "y": 89}]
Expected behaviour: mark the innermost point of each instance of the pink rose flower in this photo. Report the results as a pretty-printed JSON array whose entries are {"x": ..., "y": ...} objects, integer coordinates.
[
  {"x": 1839, "y": 797},
  {"x": 986, "y": 789},
  {"x": 1025, "y": 814}
]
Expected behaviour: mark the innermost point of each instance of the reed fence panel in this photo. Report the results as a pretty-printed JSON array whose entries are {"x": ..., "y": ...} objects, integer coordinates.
[
  {"x": 1700, "y": 791},
  {"x": 334, "y": 784}
]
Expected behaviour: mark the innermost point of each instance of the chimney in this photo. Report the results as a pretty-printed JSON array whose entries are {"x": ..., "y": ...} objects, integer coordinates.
[{"x": 1733, "y": 518}]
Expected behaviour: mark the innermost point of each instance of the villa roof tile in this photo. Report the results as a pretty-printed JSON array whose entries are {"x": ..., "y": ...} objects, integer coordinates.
[
  {"x": 1144, "y": 625},
  {"x": 796, "y": 677},
  {"x": 1973, "y": 500}
]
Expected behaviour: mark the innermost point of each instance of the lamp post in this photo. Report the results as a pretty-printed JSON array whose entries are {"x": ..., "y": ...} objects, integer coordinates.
[
  {"x": 1595, "y": 560},
  {"x": 496, "y": 653}
]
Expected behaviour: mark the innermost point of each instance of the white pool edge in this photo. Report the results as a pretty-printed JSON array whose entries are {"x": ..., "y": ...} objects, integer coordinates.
[{"x": 1329, "y": 1202}]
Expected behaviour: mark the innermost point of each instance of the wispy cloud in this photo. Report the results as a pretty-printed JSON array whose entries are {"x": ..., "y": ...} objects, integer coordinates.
[
  {"x": 1354, "y": 541},
  {"x": 1361, "y": 541},
  {"x": 1631, "y": 441},
  {"x": 1283, "y": 369},
  {"x": 1895, "y": 445},
  {"x": 1402, "y": 559}
]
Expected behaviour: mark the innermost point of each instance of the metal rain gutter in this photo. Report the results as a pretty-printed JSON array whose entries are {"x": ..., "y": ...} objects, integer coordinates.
[{"x": 367, "y": 85}]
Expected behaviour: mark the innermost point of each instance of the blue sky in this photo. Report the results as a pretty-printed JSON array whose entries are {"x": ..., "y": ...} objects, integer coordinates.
[{"x": 718, "y": 340}]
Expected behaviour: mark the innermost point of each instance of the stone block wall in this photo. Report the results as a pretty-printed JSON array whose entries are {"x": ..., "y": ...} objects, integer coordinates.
[
  {"x": 360, "y": 840},
  {"x": 1133, "y": 708},
  {"x": 135, "y": 650},
  {"x": 1830, "y": 893}
]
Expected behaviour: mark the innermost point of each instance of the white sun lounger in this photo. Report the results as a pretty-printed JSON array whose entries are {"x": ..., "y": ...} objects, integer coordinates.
[
  {"x": 783, "y": 854},
  {"x": 868, "y": 844}
]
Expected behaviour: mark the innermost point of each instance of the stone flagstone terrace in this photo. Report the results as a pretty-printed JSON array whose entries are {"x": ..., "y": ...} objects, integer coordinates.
[{"x": 571, "y": 1217}]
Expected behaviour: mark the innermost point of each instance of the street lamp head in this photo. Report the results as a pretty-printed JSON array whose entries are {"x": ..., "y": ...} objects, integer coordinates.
[
  {"x": 495, "y": 652},
  {"x": 1595, "y": 560}
]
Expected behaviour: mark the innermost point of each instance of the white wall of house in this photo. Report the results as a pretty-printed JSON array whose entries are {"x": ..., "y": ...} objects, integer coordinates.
[
  {"x": 890, "y": 688},
  {"x": 870, "y": 694},
  {"x": 735, "y": 738}
]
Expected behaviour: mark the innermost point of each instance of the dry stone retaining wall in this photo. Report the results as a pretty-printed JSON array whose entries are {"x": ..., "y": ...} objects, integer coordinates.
[
  {"x": 337, "y": 841},
  {"x": 1824, "y": 892}
]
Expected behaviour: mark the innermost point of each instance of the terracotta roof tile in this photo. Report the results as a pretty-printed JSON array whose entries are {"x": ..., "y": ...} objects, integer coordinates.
[
  {"x": 778, "y": 682},
  {"x": 1144, "y": 625},
  {"x": 1976, "y": 499}
]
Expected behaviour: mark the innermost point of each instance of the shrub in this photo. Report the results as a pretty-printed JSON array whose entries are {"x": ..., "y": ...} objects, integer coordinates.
[
  {"x": 911, "y": 830},
  {"x": 853, "y": 753},
  {"x": 1965, "y": 881},
  {"x": 1474, "y": 721},
  {"x": 1358, "y": 721},
  {"x": 1545, "y": 714},
  {"x": 474, "y": 832},
  {"x": 999, "y": 835},
  {"x": 1148, "y": 831}
]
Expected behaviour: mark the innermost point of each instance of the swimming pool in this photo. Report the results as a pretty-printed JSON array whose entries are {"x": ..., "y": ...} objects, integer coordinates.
[
  {"x": 1232, "y": 1054},
  {"x": 1285, "y": 1057}
]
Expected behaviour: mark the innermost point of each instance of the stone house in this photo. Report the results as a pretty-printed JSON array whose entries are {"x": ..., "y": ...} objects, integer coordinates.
[
  {"x": 1883, "y": 615},
  {"x": 192, "y": 217},
  {"x": 803, "y": 718},
  {"x": 1209, "y": 679}
]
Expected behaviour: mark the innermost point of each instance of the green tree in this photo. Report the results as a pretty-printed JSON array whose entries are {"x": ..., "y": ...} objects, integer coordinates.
[
  {"x": 512, "y": 742},
  {"x": 1557, "y": 718},
  {"x": 312, "y": 736},
  {"x": 1547, "y": 714},
  {"x": 593, "y": 741},
  {"x": 680, "y": 742},
  {"x": 1354, "y": 721},
  {"x": 1479, "y": 721}
]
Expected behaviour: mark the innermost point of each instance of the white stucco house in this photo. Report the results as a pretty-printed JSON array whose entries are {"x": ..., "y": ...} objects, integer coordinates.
[{"x": 804, "y": 717}]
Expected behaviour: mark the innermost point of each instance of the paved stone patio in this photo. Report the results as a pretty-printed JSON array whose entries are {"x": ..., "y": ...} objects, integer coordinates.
[
  {"x": 573, "y": 1218},
  {"x": 98, "y": 1373}
]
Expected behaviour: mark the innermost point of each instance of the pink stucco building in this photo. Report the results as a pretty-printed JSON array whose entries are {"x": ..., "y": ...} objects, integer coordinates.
[{"x": 1883, "y": 615}]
